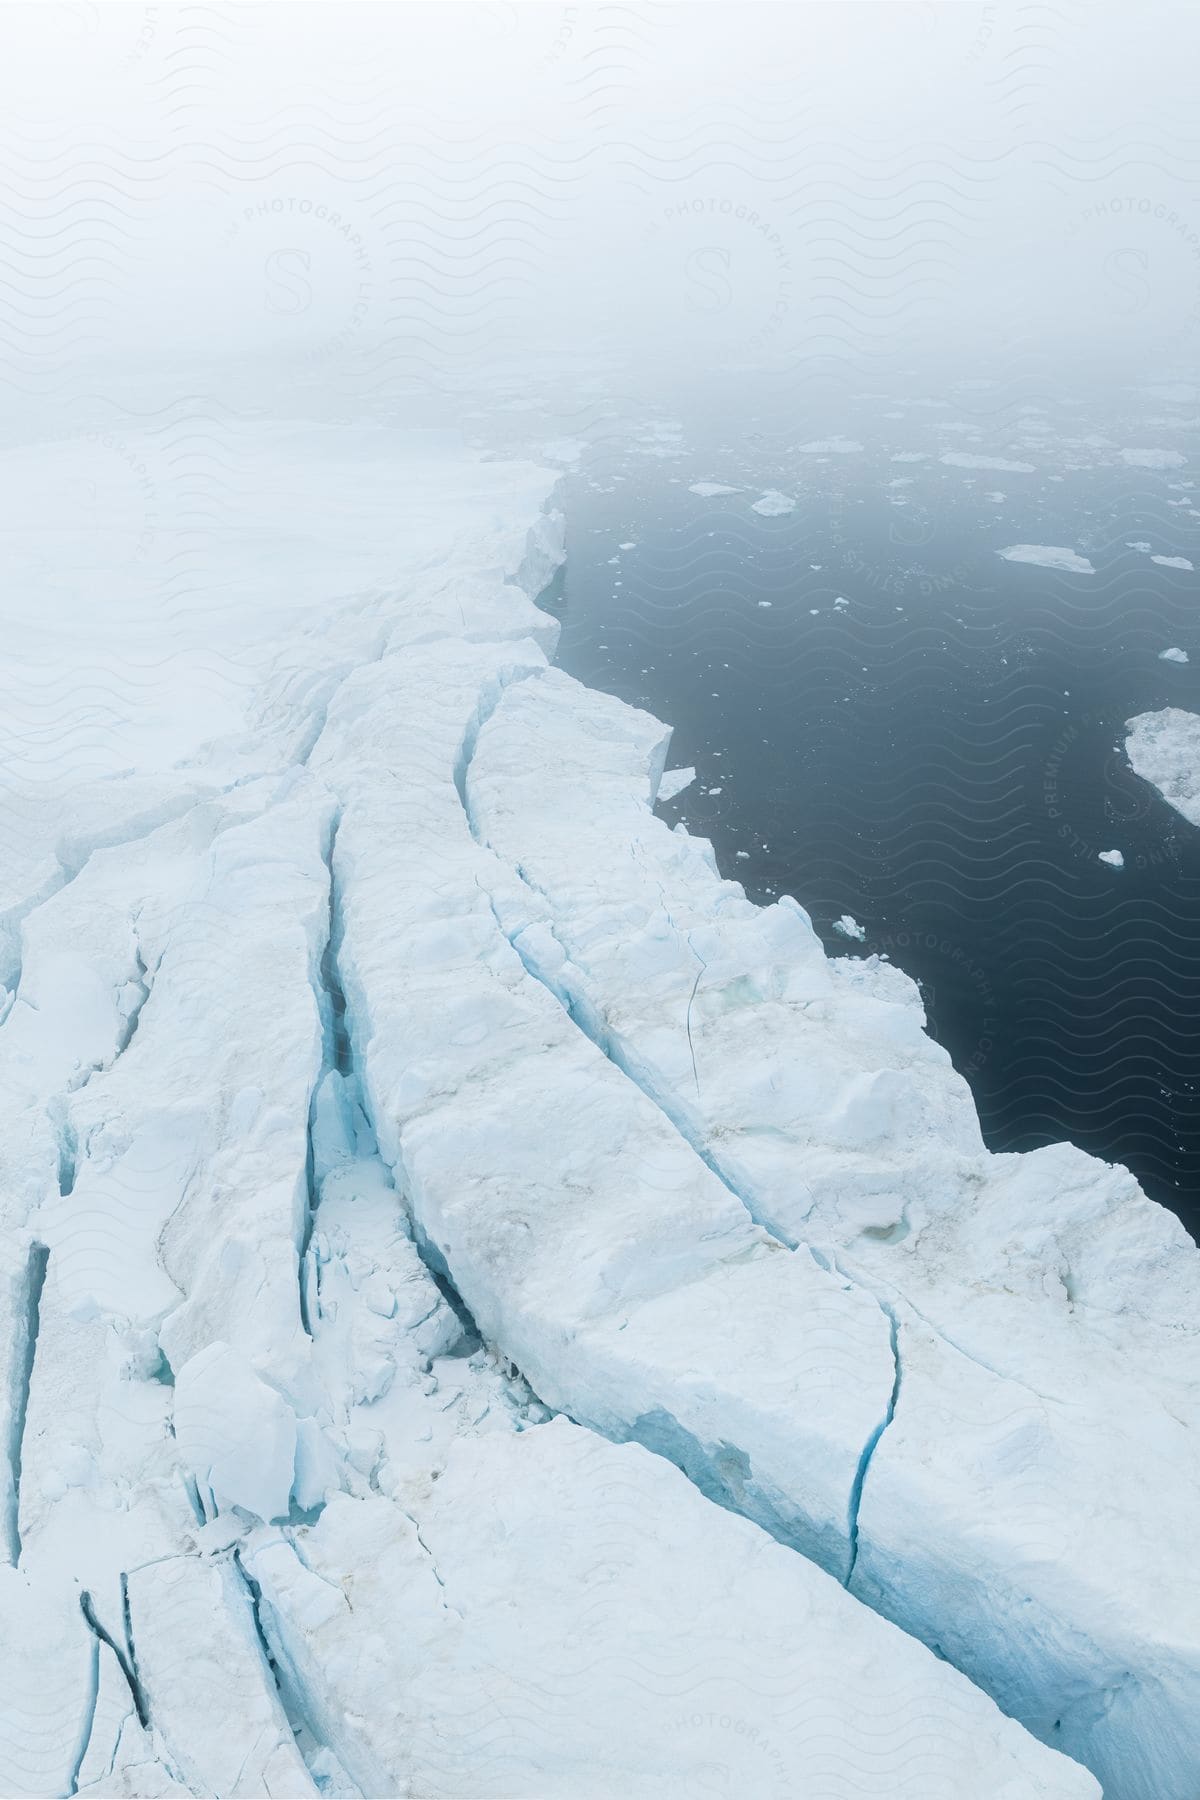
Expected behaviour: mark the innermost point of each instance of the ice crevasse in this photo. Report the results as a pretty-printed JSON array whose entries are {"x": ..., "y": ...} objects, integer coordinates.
[{"x": 485, "y": 1310}]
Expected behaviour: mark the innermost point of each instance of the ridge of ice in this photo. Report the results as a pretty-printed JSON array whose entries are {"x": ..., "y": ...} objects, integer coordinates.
[{"x": 1039, "y": 1300}]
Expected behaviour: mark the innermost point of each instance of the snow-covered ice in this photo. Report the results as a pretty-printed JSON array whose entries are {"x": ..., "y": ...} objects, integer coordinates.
[
  {"x": 1048, "y": 556},
  {"x": 505, "y": 1600},
  {"x": 321, "y": 1214},
  {"x": 1046, "y": 1356}
]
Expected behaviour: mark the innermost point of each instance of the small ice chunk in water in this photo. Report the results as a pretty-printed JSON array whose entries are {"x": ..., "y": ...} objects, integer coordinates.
[
  {"x": 1173, "y": 655},
  {"x": 1172, "y": 562},
  {"x": 849, "y": 927},
  {"x": 1113, "y": 858},
  {"x": 773, "y": 503}
]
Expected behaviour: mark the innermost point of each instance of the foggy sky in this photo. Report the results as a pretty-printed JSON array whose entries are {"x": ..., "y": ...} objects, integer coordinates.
[{"x": 389, "y": 195}]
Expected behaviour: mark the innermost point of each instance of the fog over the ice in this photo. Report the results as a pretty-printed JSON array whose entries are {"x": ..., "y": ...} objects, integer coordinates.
[{"x": 386, "y": 197}]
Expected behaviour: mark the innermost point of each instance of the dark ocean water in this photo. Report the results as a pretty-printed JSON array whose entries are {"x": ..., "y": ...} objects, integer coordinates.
[{"x": 890, "y": 720}]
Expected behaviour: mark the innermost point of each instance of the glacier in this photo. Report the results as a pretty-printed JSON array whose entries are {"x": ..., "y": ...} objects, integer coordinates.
[{"x": 485, "y": 1309}]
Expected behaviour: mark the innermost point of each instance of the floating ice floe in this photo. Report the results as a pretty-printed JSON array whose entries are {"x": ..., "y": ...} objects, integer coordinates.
[
  {"x": 1048, "y": 556},
  {"x": 277, "y": 1512},
  {"x": 849, "y": 927},
  {"x": 964, "y": 459},
  {"x": 708, "y": 489},
  {"x": 1172, "y": 562},
  {"x": 773, "y": 503},
  {"x": 1113, "y": 858},
  {"x": 1164, "y": 749},
  {"x": 1173, "y": 655},
  {"x": 1153, "y": 459},
  {"x": 567, "y": 451}
]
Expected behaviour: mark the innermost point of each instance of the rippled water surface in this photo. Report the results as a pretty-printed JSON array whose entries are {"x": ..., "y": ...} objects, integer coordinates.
[{"x": 892, "y": 721}]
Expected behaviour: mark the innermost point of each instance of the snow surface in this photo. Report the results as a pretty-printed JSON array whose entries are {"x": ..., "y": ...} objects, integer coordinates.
[
  {"x": 1164, "y": 749},
  {"x": 1048, "y": 556},
  {"x": 321, "y": 1215}
]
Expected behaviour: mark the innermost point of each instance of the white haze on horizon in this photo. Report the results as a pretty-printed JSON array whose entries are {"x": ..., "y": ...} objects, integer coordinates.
[{"x": 385, "y": 197}]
